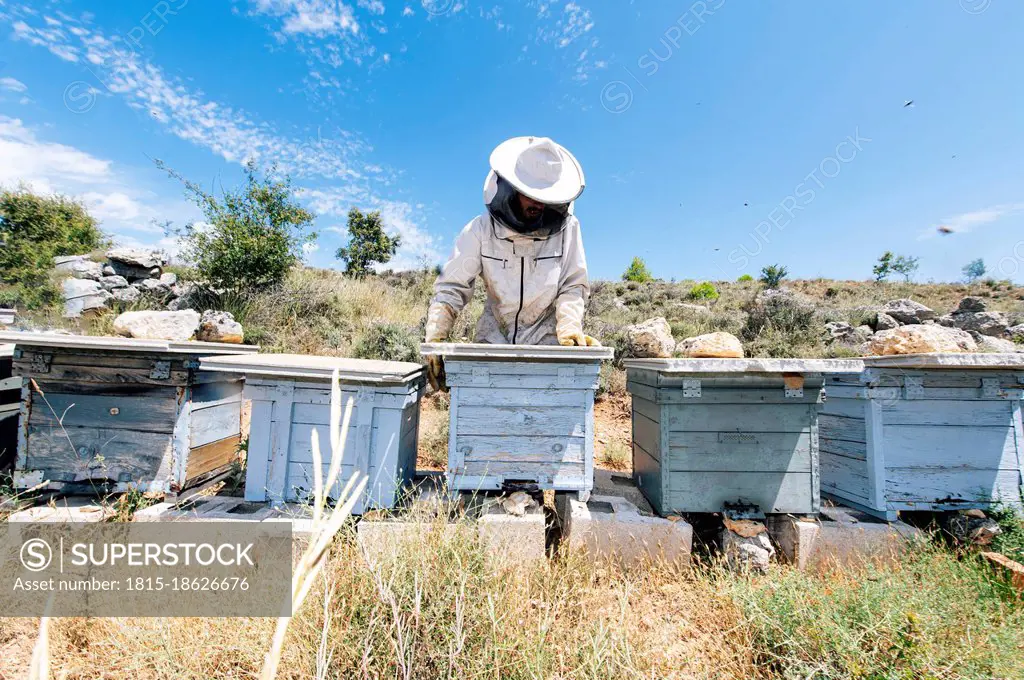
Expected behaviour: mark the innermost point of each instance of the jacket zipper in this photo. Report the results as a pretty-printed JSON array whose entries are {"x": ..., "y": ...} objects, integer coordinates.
[{"x": 522, "y": 287}]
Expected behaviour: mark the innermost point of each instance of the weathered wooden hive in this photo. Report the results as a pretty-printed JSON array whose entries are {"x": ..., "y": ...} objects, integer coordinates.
[
  {"x": 291, "y": 397},
  {"x": 521, "y": 414},
  {"x": 10, "y": 405},
  {"x": 108, "y": 414},
  {"x": 737, "y": 435},
  {"x": 925, "y": 432}
]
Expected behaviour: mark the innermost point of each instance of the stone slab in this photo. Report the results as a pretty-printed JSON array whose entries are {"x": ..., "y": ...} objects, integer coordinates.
[
  {"x": 848, "y": 536},
  {"x": 227, "y": 509},
  {"x": 513, "y": 539},
  {"x": 609, "y": 483},
  {"x": 316, "y": 367},
  {"x": 778, "y": 366},
  {"x": 482, "y": 351},
  {"x": 612, "y": 528},
  {"x": 795, "y": 537},
  {"x": 117, "y": 344},
  {"x": 951, "y": 360},
  {"x": 7, "y": 317},
  {"x": 70, "y": 509}
]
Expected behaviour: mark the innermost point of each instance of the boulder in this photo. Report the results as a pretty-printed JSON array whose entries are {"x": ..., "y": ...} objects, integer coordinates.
[
  {"x": 138, "y": 257},
  {"x": 133, "y": 273},
  {"x": 127, "y": 295},
  {"x": 86, "y": 269},
  {"x": 884, "y": 322},
  {"x": 692, "y": 308},
  {"x": 714, "y": 345},
  {"x": 83, "y": 295},
  {"x": 153, "y": 287},
  {"x": 986, "y": 323},
  {"x": 970, "y": 304},
  {"x": 219, "y": 327},
  {"x": 971, "y": 528},
  {"x": 108, "y": 270},
  {"x": 840, "y": 331},
  {"x": 908, "y": 311},
  {"x": 1016, "y": 333},
  {"x": 650, "y": 339},
  {"x": 921, "y": 338},
  {"x": 999, "y": 345},
  {"x": 518, "y": 503},
  {"x": 177, "y": 326},
  {"x": 113, "y": 282},
  {"x": 169, "y": 279},
  {"x": 746, "y": 545},
  {"x": 66, "y": 263}
]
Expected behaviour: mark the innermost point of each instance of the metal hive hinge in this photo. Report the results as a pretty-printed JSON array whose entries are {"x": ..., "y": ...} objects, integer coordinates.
[
  {"x": 794, "y": 393},
  {"x": 691, "y": 389}
]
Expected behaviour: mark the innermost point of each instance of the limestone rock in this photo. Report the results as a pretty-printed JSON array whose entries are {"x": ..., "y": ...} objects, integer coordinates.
[
  {"x": 990, "y": 344},
  {"x": 921, "y": 338},
  {"x": 749, "y": 550},
  {"x": 83, "y": 295},
  {"x": 884, "y": 322},
  {"x": 113, "y": 282},
  {"x": 840, "y": 331},
  {"x": 650, "y": 339},
  {"x": 177, "y": 326},
  {"x": 133, "y": 273},
  {"x": 66, "y": 263},
  {"x": 86, "y": 269},
  {"x": 217, "y": 326},
  {"x": 169, "y": 279},
  {"x": 971, "y": 528},
  {"x": 108, "y": 270},
  {"x": 986, "y": 323},
  {"x": 712, "y": 345},
  {"x": 908, "y": 311},
  {"x": 127, "y": 295},
  {"x": 138, "y": 257},
  {"x": 518, "y": 503},
  {"x": 154, "y": 287},
  {"x": 970, "y": 304},
  {"x": 1016, "y": 333},
  {"x": 700, "y": 310}
]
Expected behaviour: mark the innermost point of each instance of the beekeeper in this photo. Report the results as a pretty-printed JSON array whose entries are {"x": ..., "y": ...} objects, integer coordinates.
[{"x": 527, "y": 249}]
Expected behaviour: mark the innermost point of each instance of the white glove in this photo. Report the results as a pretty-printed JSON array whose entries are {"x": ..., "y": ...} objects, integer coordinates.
[
  {"x": 440, "y": 319},
  {"x": 569, "y": 324}
]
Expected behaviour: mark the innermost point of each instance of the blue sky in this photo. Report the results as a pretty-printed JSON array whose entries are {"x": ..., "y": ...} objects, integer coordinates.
[{"x": 717, "y": 136}]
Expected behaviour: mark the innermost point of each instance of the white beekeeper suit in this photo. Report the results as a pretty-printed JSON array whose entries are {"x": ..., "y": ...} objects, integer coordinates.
[{"x": 535, "y": 271}]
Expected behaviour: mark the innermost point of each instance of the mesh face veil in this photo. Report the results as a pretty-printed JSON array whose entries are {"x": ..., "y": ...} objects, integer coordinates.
[{"x": 504, "y": 207}]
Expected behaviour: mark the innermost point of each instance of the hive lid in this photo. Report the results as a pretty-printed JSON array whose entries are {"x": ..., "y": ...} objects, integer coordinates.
[
  {"x": 6, "y": 350},
  {"x": 486, "y": 352},
  {"x": 317, "y": 367},
  {"x": 748, "y": 365},
  {"x": 116, "y": 344},
  {"x": 951, "y": 360}
]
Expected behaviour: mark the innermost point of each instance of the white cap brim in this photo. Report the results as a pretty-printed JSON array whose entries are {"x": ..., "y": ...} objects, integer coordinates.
[{"x": 568, "y": 187}]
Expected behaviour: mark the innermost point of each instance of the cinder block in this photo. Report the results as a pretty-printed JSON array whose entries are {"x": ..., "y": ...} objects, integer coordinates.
[
  {"x": 512, "y": 538},
  {"x": 795, "y": 537},
  {"x": 228, "y": 509},
  {"x": 388, "y": 538},
  {"x": 848, "y": 536},
  {"x": 608, "y": 483},
  {"x": 610, "y": 527}
]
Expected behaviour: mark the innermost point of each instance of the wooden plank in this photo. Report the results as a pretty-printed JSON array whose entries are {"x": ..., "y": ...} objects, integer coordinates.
[
  {"x": 211, "y": 457},
  {"x": 772, "y": 492},
  {"x": 483, "y": 448},
  {"x": 181, "y": 437},
  {"x": 521, "y": 421},
  {"x": 738, "y": 418},
  {"x": 875, "y": 451},
  {"x": 946, "y": 412},
  {"x": 924, "y": 486},
  {"x": 280, "y": 439},
  {"x": 639, "y": 391},
  {"x": 320, "y": 414},
  {"x": 384, "y": 396},
  {"x": 739, "y": 452},
  {"x": 524, "y": 471},
  {"x": 648, "y": 409},
  {"x": 844, "y": 476},
  {"x": 511, "y": 368},
  {"x": 123, "y": 376},
  {"x": 484, "y": 396},
  {"x": 300, "y": 481},
  {"x": 300, "y": 445},
  {"x": 519, "y": 354},
  {"x": 142, "y": 413},
  {"x": 841, "y": 447},
  {"x": 523, "y": 382},
  {"x": 123, "y": 391},
  {"x": 647, "y": 473},
  {"x": 753, "y": 397},
  {"x": 215, "y": 394},
  {"x": 215, "y": 423},
  {"x": 588, "y": 460},
  {"x": 924, "y": 447},
  {"x": 848, "y": 408},
  {"x": 841, "y": 427},
  {"x": 257, "y": 463},
  {"x": 738, "y": 382},
  {"x": 647, "y": 434},
  {"x": 99, "y": 453},
  {"x": 385, "y": 476}
]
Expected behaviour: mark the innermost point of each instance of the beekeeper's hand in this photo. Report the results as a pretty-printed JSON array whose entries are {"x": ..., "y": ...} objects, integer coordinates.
[
  {"x": 440, "y": 319},
  {"x": 576, "y": 336},
  {"x": 569, "y": 323}
]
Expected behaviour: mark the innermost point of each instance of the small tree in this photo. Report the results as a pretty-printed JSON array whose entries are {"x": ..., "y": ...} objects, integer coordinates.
[
  {"x": 890, "y": 263},
  {"x": 637, "y": 272},
  {"x": 904, "y": 266},
  {"x": 33, "y": 230},
  {"x": 974, "y": 270},
  {"x": 255, "y": 233},
  {"x": 368, "y": 243},
  {"x": 773, "y": 274}
]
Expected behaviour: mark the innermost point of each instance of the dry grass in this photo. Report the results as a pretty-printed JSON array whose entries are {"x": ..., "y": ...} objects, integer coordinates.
[{"x": 433, "y": 443}]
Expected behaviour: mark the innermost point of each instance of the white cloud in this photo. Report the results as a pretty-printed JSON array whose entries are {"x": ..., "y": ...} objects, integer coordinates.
[
  {"x": 408, "y": 11},
  {"x": 968, "y": 221},
  {"x": 44, "y": 165},
  {"x": 12, "y": 84}
]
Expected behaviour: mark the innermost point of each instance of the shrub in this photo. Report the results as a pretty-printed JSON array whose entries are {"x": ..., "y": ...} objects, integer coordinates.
[
  {"x": 368, "y": 243},
  {"x": 637, "y": 272},
  {"x": 703, "y": 291},
  {"x": 388, "y": 342},
  {"x": 889, "y": 264},
  {"x": 773, "y": 274},
  {"x": 33, "y": 230},
  {"x": 254, "y": 234},
  {"x": 745, "y": 278}
]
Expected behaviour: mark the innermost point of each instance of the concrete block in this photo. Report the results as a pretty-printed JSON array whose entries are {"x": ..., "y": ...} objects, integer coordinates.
[
  {"x": 848, "y": 536},
  {"x": 228, "y": 509},
  {"x": 610, "y": 527},
  {"x": 795, "y": 537},
  {"x": 386, "y": 539},
  {"x": 512, "y": 538},
  {"x": 608, "y": 483}
]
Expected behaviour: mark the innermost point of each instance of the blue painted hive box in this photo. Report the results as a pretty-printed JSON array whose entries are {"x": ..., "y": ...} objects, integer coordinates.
[
  {"x": 711, "y": 435},
  {"x": 521, "y": 414},
  {"x": 291, "y": 397},
  {"x": 101, "y": 414},
  {"x": 925, "y": 432},
  {"x": 10, "y": 405}
]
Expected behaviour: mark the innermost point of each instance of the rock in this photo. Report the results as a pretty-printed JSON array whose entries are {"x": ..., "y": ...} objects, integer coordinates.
[
  {"x": 840, "y": 331},
  {"x": 864, "y": 332},
  {"x": 518, "y": 503},
  {"x": 83, "y": 295},
  {"x": 688, "y": 307},
  {"x": 133, "y": 273},
  {"x": 113, "y": 282},
  {"x": 970, "y": 304},
  {"x": 138, "y": 257},
  {"x": 884, "y": 322},
  {"x": 128, "y": 295},
  {"x": 153, "y": 287},
  {"x": 921, "y": 338},
  {"x": 650, "y": 339},
  {"x": 86, "y": 269},
  {"x": 986, "y": 323},
  {"x": 1016, "y": 333},
  {"x": 908, "y": 311},
  {"x": 990, "y": 344},
  {"x": 713, "y": 345},
  {"x": 971, "y": 529},
  {"x": 219, "y": 327},
  {"x": 177, "y": 326},
  {"x": 66, "y": 263},
  {"x": 169, "y": 279},
  {"x": 108, "y": 270},
  {"x": 749, "y": 550}
]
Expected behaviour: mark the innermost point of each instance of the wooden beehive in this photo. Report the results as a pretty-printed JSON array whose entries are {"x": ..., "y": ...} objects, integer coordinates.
[
  {"x": 717, "y": 434},
  {"x": 925, "y": 432},
  {"x": 521, "y": 414},
  {"x": 108, "y": 414},
  {"x": 10, "y": 405},
  {"x": 291, "y": 397}
]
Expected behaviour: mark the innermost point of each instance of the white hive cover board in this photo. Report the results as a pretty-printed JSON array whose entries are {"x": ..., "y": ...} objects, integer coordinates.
[
  {"x": 486, "y": 352},
  {"x": 951, "y": 360},
  {"x": 6, "y": 351},
  {"x": 316, "y": 367},
  {"x": 116, "y": 344},
  {"x": 747, "y": 365}
]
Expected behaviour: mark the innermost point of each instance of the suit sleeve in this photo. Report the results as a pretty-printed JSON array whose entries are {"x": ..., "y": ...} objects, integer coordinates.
[
  {"x": 454, "y": 286},
  {"x": 574, "y": 284}
]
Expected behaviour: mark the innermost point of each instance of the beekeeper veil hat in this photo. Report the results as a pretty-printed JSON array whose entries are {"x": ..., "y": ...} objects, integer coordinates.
[{"x": 536, "y": 167}]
